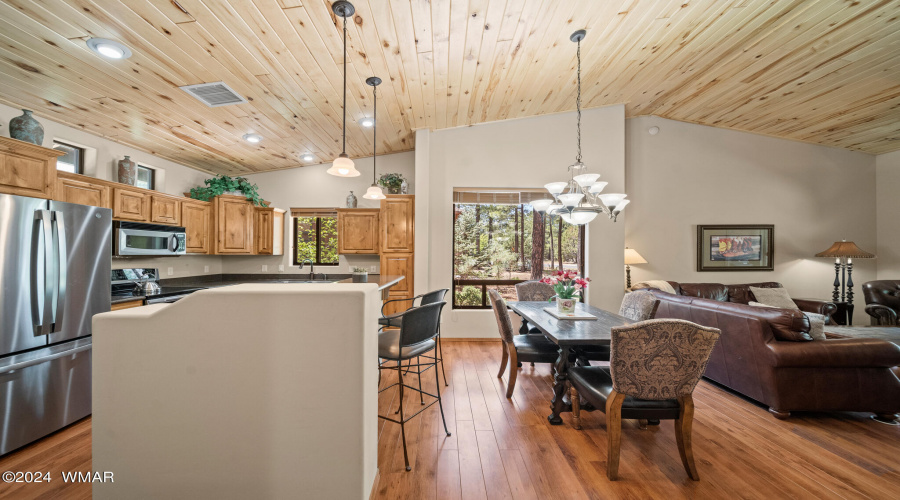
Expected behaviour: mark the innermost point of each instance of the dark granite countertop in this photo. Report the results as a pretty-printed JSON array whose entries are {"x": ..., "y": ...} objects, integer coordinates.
[{"x": 219, "y": 280}]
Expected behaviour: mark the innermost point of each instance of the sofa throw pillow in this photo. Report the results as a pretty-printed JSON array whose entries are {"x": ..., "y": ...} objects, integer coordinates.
[
  {"x": 816, "y": 325},
  {"x": 775, "y": 297}
]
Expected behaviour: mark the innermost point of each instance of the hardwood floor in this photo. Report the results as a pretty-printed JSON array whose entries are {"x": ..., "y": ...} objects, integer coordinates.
[{"x": 504, "y": 448}]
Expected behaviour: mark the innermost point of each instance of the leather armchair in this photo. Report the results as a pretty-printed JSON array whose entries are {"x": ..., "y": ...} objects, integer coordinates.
[{"x": 882, "y": 301}]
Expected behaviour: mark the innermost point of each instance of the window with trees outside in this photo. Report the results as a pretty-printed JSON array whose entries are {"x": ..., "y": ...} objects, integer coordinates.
[
  {"x": 315, "y": 237},
  {"x": 499, "y": 241}
]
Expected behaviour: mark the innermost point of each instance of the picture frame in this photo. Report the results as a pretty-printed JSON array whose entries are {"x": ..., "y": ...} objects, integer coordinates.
[{"x": 735, "y": 247}]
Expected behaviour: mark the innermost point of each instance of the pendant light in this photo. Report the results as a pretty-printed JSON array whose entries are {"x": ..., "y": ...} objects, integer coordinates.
[
  {"x": 343, "y": 165},
  {"x": 374, "y": 192},
  {"x": 579, "y": 201}
]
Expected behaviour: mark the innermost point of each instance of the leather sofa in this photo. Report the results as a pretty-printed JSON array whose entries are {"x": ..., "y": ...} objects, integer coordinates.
[
  {"x": 741, "y": 294},
  {"x": 767, "y": 354},
  {"x": 882, "y": 301}
]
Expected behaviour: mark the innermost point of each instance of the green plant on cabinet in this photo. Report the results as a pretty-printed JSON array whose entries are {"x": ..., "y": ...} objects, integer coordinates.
[
  {"x": 391, "y": 182},
  {"x": 222, "y": 184}
]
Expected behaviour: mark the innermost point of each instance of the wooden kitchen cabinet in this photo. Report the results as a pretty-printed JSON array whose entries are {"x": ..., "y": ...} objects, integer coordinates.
[
  {"x": 358, "y": 231},
  {"x": 399, "y": 264},
  {"x": 196, "y": 216},
  {"x": 74, "y": 188},
  {"x": 398, "y": 221},
  {"x": 269, "y": 231},
  {"x": 232, "y": 231},
  {"x": 165, "y": 210},
  {"x": 131, "y": 204},
  {"x": 27, "y": 169}
]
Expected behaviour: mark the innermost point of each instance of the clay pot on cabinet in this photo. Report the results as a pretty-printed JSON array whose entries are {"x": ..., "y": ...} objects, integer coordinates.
[
  {"x": 127, "y": 171},
  {"x": 26, "y": 128}
]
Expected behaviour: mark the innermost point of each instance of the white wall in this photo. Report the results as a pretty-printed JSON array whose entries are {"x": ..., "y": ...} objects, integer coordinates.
[
  {"x": 692, "y": 174},
  {"x": 312, "y": 187},
  {"x": 887, "y": 194},
  {"x": 101, "y": 163},
  {"x": 522, "y": 153}
]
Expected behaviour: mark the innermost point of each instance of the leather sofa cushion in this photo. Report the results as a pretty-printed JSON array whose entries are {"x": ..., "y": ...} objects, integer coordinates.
[
  {"x": 742, "y": 294},
  {"x": 712, "y": 291},
  {"x": 594, "y": 383}
]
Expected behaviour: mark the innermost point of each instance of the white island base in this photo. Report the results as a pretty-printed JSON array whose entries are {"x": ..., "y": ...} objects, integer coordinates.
[{"x": 247, "y": 391}]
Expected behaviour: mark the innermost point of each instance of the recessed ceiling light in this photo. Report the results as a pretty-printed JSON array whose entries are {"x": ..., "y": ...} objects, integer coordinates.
[
  {"x": 308, "y": 157},
  {"x": 109, "y": 48},
  {"x": 366, "y": 122},
  {"x": 254, "y": 138}
]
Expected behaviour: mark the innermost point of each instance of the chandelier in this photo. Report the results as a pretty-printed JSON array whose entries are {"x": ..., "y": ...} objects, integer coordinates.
[{"x": 581, "y": 199}]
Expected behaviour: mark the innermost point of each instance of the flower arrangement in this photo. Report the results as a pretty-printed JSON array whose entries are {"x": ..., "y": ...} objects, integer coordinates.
[
  {"x": 391, "y": 182},
  {"x": 568, "y": 286}
]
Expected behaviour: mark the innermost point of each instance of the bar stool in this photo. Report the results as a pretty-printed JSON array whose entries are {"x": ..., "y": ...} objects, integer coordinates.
[
  {"x": 415, "y": 337},
  {"x": 426, "y": 298}
]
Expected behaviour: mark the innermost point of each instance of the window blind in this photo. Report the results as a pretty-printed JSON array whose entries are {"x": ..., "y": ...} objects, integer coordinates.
[
  {"x": 494, "y": 196},
  {"x": 313, "y": 212}
]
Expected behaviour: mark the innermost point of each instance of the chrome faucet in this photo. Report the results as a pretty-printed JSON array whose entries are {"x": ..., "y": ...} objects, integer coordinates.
[{"x": 311, "y": 269}]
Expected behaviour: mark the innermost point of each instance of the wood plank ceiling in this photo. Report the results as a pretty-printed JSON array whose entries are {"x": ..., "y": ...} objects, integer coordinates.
[{"x": 826, "y": 71}]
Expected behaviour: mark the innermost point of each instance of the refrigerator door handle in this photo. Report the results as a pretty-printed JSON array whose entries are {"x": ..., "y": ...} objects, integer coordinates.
[
  {"x": 43, "y": 319},
  {"x": 62, "y": 266},
  {"x": 37, "y": 361}
]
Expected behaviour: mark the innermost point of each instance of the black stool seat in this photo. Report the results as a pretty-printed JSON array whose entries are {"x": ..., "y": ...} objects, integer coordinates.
[
  {"x": 594, "y": 383},
  {"x": 389, "y": 346},
  {"x": 390, "y": 322}
]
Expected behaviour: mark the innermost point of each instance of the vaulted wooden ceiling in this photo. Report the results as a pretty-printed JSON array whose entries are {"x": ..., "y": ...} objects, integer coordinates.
[{"x": 824, "y": 71}]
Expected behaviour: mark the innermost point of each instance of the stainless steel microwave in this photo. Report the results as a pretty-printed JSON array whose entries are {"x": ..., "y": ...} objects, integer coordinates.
[{"x": 135, "y": 238}]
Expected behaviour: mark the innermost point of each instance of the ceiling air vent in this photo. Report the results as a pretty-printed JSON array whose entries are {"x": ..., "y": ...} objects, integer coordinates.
[{"x": 214, "y": 94}]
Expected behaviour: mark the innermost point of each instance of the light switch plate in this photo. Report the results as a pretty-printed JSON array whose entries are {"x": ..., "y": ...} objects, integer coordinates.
[
  {"x": 205, "y": 269},
  {"x": 170, "y": 271},
  {"x": 372, "y": 269},
  {"x": 265, "y": 268}
]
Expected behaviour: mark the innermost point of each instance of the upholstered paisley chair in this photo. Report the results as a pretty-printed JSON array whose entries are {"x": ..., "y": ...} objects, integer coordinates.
[
  {"x": 517, "y": 348},
  {"x": 654, "y": 367},
  {"x": 533, "y": 291},
  {"x": 639, "y": 306}
]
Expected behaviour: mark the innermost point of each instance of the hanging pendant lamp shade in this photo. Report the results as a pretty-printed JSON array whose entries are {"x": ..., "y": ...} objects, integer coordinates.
[
  {"x": 343, "y": 165},
  {"x": 374, "y": 192}
]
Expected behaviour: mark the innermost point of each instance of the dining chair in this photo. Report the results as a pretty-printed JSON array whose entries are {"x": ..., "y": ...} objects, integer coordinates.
[
  {"x": 654, "y": 367},
  {"x": 533, "y": 291},
  {"x": 415, "y": 337},
  {"x": 516, "y": 348},
  {"x": 639, "y": 305},
  {"x": 424, "y": 299}
]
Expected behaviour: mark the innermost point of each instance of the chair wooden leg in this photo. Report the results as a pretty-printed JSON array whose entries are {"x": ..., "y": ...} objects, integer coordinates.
[
  {"x": 613, "y": 433},
  {"x": 683, "y": 436},
  {"x": 503, "y": 359},
  {"x": 513, "y": 371},
  {"x": 576, "y": 407}
]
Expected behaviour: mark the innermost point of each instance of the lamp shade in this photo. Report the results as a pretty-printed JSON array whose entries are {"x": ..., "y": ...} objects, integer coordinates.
[
  {"x": 846, "y": 249},
  {"x": 374, "y": 193},
  {"x": 343, "y": 167},
  {"x": 541, "y": 205},
  {"x": 632, "y": 257}
]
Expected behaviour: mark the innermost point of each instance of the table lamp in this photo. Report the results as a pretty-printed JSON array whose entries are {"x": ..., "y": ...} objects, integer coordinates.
[
  {"x": 631, "y": 257},
  {"x": 844, "y": 252}
]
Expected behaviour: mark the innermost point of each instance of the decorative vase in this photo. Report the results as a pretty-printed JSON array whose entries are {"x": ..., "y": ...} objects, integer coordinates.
[
  {"x": 361, "y": 277},
  {"x": 404, "y": 187},
  {"x": 351, "y": 200},
  {"x": 393, "y": 189},
  {"x": 565, "y": 306},
  {"x": 26, "y": 128},
  {"x": 127, "y": 171}
]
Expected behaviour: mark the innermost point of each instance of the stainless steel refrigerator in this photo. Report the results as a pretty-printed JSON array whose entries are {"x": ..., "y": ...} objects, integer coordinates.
[{"x": 54, "y": 276}]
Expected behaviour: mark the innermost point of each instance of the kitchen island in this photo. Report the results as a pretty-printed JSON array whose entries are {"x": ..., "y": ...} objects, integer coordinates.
[{"x": 258, "y": 390}]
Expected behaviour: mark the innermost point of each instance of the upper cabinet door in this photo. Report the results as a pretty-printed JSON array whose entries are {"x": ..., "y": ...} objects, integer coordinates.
[
  {"x": 264, "y": 226},
  {"x": 165, "y": 210},
  {"x": 27, "y": 169},
  {"x": 195, "y": 216},
  {"x": 234, "y": 225},
  {"x": 398, "y": 223},
  {"x": 73, "y": 188},
  {"x": 358, "y": 231},
  {"x": 131, "y": 204}
]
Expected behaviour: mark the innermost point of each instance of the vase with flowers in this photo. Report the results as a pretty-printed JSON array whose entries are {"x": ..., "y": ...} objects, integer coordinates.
[{"x": 568, "y": 287}]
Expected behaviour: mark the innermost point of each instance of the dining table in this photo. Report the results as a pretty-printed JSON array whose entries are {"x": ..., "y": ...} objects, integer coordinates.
[{"x": 573, "y": 337}]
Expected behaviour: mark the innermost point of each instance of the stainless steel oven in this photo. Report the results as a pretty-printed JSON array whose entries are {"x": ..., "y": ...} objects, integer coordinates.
[{"x": 135, "y": 238}]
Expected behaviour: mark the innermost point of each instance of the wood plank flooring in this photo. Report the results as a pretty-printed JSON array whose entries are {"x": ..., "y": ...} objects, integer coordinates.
[{"x": 505, "y": 449}]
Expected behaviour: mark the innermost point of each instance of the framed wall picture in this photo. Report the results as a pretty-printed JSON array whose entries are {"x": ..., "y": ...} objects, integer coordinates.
[{"x": 736, "y": 247}]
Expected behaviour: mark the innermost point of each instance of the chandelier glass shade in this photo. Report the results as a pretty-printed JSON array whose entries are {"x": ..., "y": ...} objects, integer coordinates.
[
  {"x": 579, "y": 200},
  {"x": 343, "y": 165}
]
